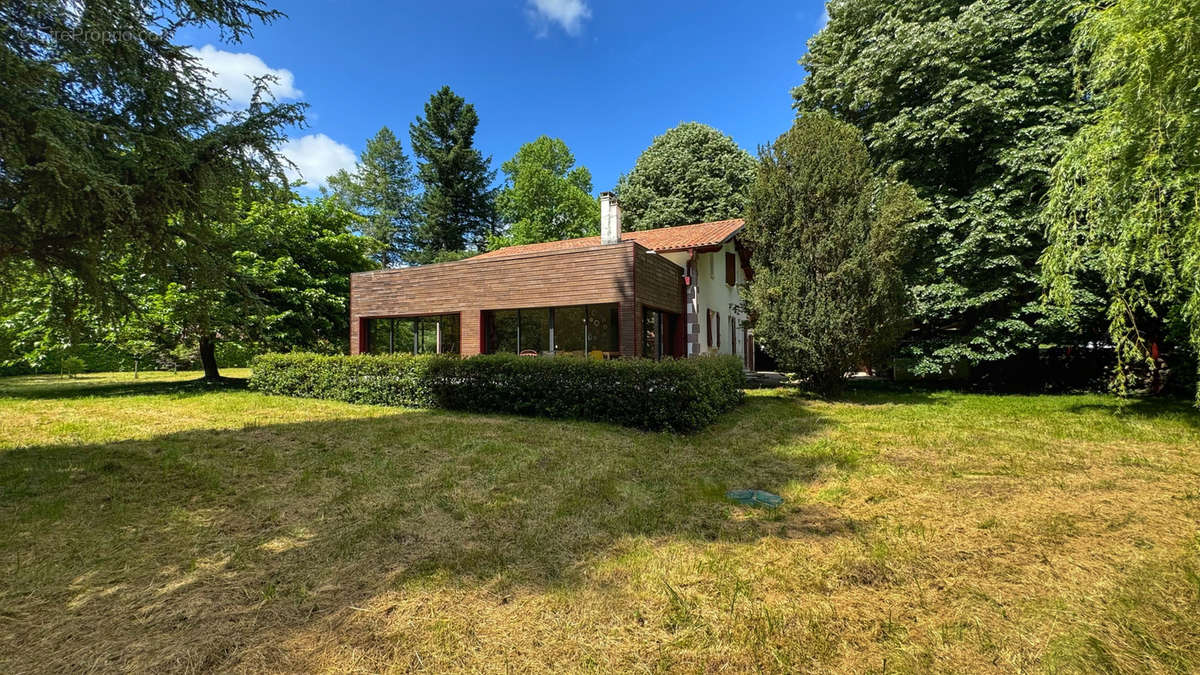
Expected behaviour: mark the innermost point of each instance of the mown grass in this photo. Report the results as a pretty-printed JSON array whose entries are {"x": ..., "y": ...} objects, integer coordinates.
[{"x": 167, "y": 525}]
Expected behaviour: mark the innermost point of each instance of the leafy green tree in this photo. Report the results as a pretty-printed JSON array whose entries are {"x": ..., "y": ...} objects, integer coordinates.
[
  {"x": 43, "y": 314},
  {"x": 690, "y": 174},
  {"x": 1126, "y": 195},
  {"x": 382, "y": 189},
  {"x": 110, "y": 135},
  {"x": 288, "y": 282},
  {"x": 457, "y": 206},
  {"x": 71, "y": 366},
  {"x": 827, "y": 237},
  {"x": 277, "y": 278},
  {"x": 138, "y": 345},
  {"x": 971, "y": 102},
  {"x": 545, "y": 196}
]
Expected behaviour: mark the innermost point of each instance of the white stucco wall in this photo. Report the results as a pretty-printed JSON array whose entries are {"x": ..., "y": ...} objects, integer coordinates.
[{"x": 711, "y": 292}]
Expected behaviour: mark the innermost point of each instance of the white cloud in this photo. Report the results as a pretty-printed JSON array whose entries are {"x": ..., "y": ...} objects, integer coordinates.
[
  {"x": 824, "y": 20},
  {"x": 569, "y": 14},
  {"x": 232, "y": 72},
  {"x": 317, "y": 157}
]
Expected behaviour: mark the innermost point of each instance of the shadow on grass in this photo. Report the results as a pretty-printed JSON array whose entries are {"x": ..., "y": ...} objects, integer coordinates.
[
  {"x": 168, "y": 552},
  {"x": 1145, "y": 409},
  {"x": 85, "y": 386},
  {"x": 858, "y": 391}
]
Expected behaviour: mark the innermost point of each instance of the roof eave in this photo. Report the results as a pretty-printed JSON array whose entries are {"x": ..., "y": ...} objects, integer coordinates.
[{"x": 702, "y": 248}]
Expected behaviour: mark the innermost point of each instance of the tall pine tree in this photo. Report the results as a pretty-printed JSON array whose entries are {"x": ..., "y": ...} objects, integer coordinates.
[
  {"x": 458, "y": 205},
  {"x": 381, "y": 188}
]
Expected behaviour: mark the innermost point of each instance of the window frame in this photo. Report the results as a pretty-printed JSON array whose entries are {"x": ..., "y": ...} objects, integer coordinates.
[
  {"x": 417, "y": 319},
  {"x": 599, "y": 310}
]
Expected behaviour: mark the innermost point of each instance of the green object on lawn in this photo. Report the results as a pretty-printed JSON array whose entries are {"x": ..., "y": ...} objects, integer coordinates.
[{"x": 755, "y": 498}]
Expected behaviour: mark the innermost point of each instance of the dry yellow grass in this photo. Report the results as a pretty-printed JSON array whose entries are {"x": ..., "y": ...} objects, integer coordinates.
[{"x": 163, "y": 526}]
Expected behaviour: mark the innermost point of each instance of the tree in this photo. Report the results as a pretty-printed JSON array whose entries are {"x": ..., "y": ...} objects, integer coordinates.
[
  {"x": 457, "y": 206},
  {"x": 690, "y": 174},
  {"x": 110, "y": 135},
  {"x": 1126, "y": 192},
  {"x": 278, "y": 278},
  {"x": 545, "y": 196},
  {"x": 290, "y": 281},
  {"x": 381, "y": 188},
  {"x": 827, "y": 240},
  {"x": 971, "y": 103},
  {"x": 43, "y": 314}
]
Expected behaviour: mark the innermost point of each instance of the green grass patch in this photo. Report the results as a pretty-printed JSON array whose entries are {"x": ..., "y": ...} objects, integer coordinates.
[{"x": 166, "y": 524}]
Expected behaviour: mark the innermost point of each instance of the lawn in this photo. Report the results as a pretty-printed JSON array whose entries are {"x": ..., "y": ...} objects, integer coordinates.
[{"x": 160, "y": 524}]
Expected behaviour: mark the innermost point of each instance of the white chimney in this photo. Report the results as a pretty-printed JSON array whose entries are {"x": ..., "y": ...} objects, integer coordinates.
[{"x": 610, "y": 219}]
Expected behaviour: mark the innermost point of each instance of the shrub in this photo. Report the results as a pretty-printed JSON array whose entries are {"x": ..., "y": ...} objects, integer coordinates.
[
  {"x": 72, "y": 366},
  {"x": 235, "y": 354},
  {"x": 829, "y": 239},
  {"x": 667, "y": 395}
]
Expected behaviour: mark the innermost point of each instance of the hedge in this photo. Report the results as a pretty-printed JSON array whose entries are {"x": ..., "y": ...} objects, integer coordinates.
[{"x": 669, "y": 395}]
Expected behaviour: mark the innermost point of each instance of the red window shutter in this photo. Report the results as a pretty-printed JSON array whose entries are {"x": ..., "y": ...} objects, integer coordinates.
[
  {"x": 718, "y": 315},
  {"x": 708, "y": 322},
  {"x": 731, "y": 268}
]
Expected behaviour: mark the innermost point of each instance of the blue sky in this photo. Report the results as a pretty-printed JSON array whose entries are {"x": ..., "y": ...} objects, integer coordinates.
[{"x": 606, "y": 77}]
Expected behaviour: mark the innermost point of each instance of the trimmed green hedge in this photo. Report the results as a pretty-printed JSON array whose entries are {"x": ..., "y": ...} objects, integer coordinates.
[{"x": 669, "y": 395}]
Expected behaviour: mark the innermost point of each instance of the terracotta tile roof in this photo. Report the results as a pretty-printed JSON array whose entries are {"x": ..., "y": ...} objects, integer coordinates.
[{"x": 679, "y": 238}]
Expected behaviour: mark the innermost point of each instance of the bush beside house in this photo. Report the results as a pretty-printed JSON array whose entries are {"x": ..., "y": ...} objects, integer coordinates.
[{"x": 669, "y": 395}]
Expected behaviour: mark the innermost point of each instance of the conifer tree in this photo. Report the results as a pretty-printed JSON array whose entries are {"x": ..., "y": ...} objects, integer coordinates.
[
  {"x": 381, "y": 189},
  {"x": 457, "y": 208}
]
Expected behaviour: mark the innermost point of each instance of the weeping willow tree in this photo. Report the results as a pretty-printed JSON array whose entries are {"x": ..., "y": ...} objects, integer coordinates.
[{"x": 1126, "y": 193}]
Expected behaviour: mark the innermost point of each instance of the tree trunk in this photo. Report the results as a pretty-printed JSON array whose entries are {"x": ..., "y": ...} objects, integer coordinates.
[{"x": 208, "y": 357}]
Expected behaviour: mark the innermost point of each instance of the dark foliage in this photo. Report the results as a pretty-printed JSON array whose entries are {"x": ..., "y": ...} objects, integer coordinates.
[
  {"x": 458, "y": 206},
  {"x": 682, "y": 395},
  {"x": 111, "y": 137},
  {"x": 971, "y": 103},
  {"x": 827, "y": 236}
]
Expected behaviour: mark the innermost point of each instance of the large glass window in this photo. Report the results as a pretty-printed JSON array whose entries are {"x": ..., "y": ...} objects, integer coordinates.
[
  {"x": 661, "y": 334},
  {"x": 414, "y": 335},
  {"x": 379, "y": 336},
  {"x": 404, "y": 343},
  {"x": 570, "y": 331},
  {"x": 502, "y": 332},
  {"x": 427, "y": 329},
  {"x": 602, "y": 333},
  {"x": 535, "y": 331},
  {"x": 451, "y": 333}
]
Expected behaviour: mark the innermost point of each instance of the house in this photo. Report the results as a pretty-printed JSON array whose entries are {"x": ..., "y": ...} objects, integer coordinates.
[{"x": 655, "y": 293}]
